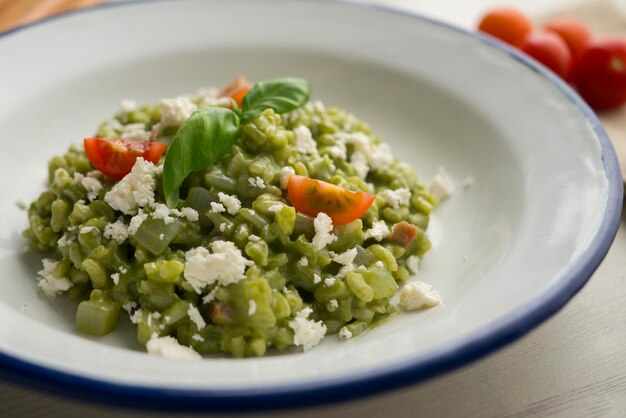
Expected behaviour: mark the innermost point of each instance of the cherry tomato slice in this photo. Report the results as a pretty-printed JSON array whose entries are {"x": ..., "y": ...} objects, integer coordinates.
[
  {"x": 549, "y": 49},
  {"x": 601, "y": 73},
  {"x": 237, "y": 89},
  {"x": 115, "y": 158},
  {"x": 311, "y": 197},
  {"x": 507, "y": 24}
]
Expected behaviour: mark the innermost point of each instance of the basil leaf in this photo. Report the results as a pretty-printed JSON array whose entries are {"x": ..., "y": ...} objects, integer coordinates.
[
  {"x": 207, "y": 135},
  {"x": 281, "y": 94}
]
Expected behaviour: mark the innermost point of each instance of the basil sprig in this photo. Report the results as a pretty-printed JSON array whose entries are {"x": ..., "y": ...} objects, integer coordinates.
[{"x": 209, "y": 133}]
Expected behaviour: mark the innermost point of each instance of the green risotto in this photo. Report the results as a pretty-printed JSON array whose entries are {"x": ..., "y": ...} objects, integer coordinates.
[{"x": 228, "y": 265}]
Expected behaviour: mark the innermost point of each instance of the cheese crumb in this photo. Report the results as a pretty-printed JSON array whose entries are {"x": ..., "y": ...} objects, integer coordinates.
[
  {"x": 50, "y": 284},
  {"x": 307, "y": 333},
  {"x": 116, "y": 278},
  {"x": 253, "y": 238},
  {"x": 316, "y": 278},
  {"x": 197, "y": 337},
  {"x": 169, "y": 347},
  {"x": 256, "y": 182},
  {"x": 378, "y": 231},
  {"x": 230, "y": 202},
  {"x": 275, "y": 208},
  {"x": 441, "y": 186},
  {"x": 303, "y": 262},
  {"x": 190, "y": 214},
  {"x": 330, "y": 281},
  {"x": 412, "y": 263},
  {"x": 217, "y": 207},
  {"x": 128, "y": 105},
  {"x": 251, "y": 307},
  {"x": 135, "y": 131},
  {"x": 161, "y": 211},
  {"x": 333, "y": 304},
  {"x": 345, "y": 333},
  {"x": 129, "y": 306},
  {"x": 304, "y": 141},
  {"x": 396, "y": 198},
  {"x": 87, "y": 229},
  {"x": 117, "y": 231},
  {"x": 92, "y": 186},
  {"x": 136, "y": 221},
  {"x": 135, "y": 190},
  {"x": 208, "y": 298},
  {"x": 224, "y": 265},
  {"x": 196, "y": 317},
  {"x": 346, "y": 258},
  {"x": 323, "y": 226},
  {"x": 174, "y": 112},
  {"x": 285, "y": 173},
  {"x": 418, "y": 295},
  {"x": 359, "y": 161}
]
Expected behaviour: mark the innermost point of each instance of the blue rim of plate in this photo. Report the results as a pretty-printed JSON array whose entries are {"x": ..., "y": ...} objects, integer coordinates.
[{"x": 449, "y": 357}]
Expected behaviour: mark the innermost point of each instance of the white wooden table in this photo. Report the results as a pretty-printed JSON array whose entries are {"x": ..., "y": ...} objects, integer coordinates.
[{"x": 574, "y": 365}]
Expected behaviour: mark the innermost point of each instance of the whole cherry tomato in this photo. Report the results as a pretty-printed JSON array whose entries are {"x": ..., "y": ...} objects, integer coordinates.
[
  {"x": 549, "y": 49},
  {"x": 506, "y": 24},
  {"x": 601, "y": 73},
  {"x": 574, "y": 32}
]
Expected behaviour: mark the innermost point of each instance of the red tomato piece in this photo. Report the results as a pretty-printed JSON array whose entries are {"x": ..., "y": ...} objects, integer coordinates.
[
  {"x": 574, "y": 32},
  {"x": 507, "y": 24},
  {"x": 237, "y": 89},
  {"x": 311, "y": 197},
  {"x": 404, "y": 233},
  {"x": 601, "y": 74},
  {"x": 115, "y": 158},
  {"x": 549, "y": 49}
]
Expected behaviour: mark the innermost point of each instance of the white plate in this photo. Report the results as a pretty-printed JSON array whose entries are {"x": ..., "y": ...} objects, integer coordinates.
[{"x": 508, "y": 252}]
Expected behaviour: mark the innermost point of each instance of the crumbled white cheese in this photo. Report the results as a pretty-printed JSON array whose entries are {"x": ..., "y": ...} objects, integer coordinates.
[
  {"x": 417, "y": 295},
  {"x": 303, "y": 261},
  {"x": 128, "y": 105},
  {"x": 412, "y": 263},
  {"x": 129, "y": 306},
  {"x": 304, "y": 141},
  {"x": 230, "y": 202},
  {"x": 197, "y": 337},
  {"x": 217, "y": 207},
  {"x": 174, "y": 112},
  {"x": 441, "y": 185},
  {"x": 116, "y": 278},
  {"x": 169, "y": 347},
  {"x": 285, "y": 173},
  {"x": 195, "y": 316},
  {"x": 275, "y": 208},
  {"x": 117, "y": 231},
  {"x": 396, "y": 198},
  {"x": 318, "y": 106},
  {"x": 136, "y": 221},
  {"x": 316, "y": 278},
  {"x": 135, "y": 190},
  {"x": 92, "y": 185},
  {"x": 256, "y": 182},
  {"x": 323, "y": 226},
  {"x": 161, "y": 236},
  {"x": 345, "y": 333},
  {"x": 135, "y": 131},
  {"x": 379, "y": 156},
  {"x": 222, "y": 227},
  {"x": 330, "y": 281},
  {"x": 346, "y": 258},
  {"x": 253, "y": 238},
  {"x": 379, "y": 264},
  {"x": 338, "y": 151},
  {"x": 51, "y": 285},
  {"x": 359, "y": 161},
  {"x": 65, "y": 241},
  {"x": 190, "y": 214},
  {"x": 333, "y": 304},
  {"x": 208, "y": 298},
  {"x": 87, "y": 229},
  {"x": 307, "y": 333},
  {"x": 136, "y": 316},
  {"x": 123, "y": 270},
  {"x": 378, "y": 231},
  {"x": 251, "y": 307},
  {"x": 224, "y": 265},
  {"x": 161, "y": 211}
]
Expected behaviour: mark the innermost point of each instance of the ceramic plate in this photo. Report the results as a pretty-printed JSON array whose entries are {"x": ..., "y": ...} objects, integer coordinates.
[{"x": 508, "y": 252}]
